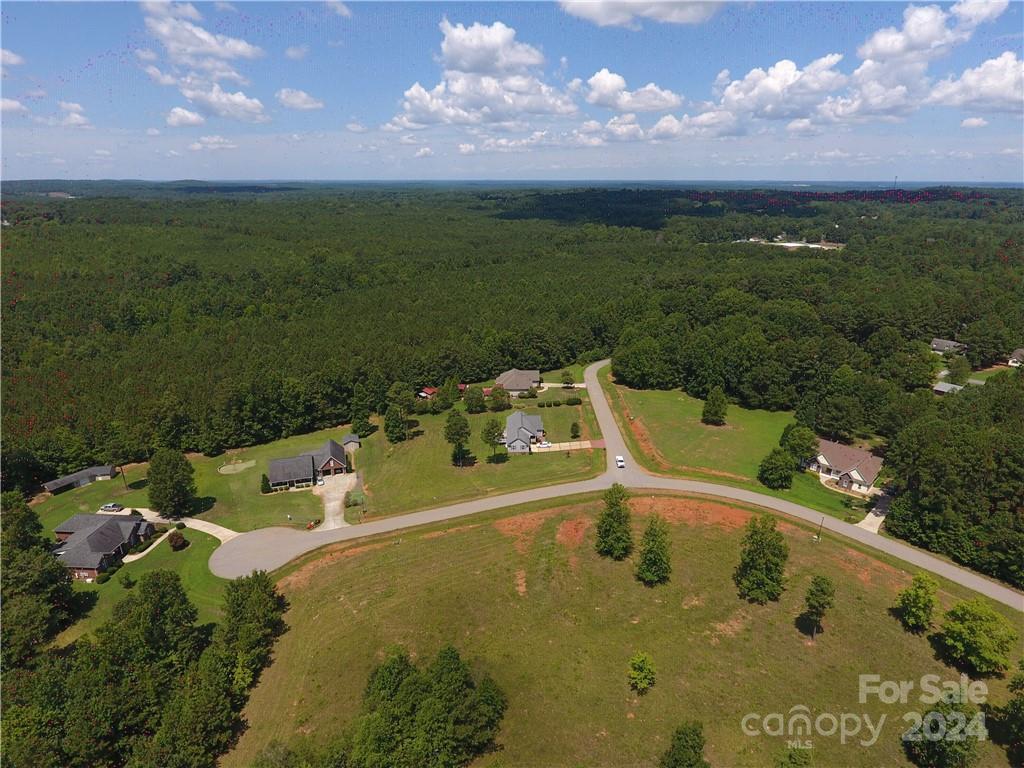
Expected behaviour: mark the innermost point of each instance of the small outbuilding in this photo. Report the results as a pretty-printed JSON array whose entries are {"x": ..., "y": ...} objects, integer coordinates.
[
  {"x": 81, "y": 478},
  {"x": 945, "y": 388}
]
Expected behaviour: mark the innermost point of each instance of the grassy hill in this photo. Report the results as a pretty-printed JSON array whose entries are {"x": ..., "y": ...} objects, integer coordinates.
[
  {"x": 524, "y": 598},
  {"x": 666, "y": 435}
]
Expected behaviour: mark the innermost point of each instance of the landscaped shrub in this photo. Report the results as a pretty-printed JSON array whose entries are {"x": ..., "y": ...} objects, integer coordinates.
[
  {"x": 127, "y": 581},
  {"x": 574, "y": 400},
  {"x": 177, "y": 541},
  {"x": 179, "y": 525},
  {"x": 556, "y": 403},
  {"x": 265, "y": 484},
  {"x": 103, "y": 578}
]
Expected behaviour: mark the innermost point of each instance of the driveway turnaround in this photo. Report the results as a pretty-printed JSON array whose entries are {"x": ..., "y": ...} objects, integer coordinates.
[{"x": 270, "y": 548}]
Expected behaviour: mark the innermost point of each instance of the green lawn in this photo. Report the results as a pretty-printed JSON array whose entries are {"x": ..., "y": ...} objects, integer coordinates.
[
  {"x": 418, "y": 473},
  {"x": 988, "y": 373},
  {"x": 533, "y": 606},
  {"x": 204, "y": 589},
  {"x": 666, "y": 435},
  {"x": 89, "y": 499}
]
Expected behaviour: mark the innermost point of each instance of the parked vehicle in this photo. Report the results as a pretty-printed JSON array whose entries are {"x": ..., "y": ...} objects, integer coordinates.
[
  {"x": 620, "y": 462},
  {"x": 544, "y": 444},
  {"x": 111, "y": 507}
]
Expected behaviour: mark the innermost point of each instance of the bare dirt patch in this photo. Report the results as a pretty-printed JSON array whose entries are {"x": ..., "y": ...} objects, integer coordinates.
[
  {"x": 446, "y": 531},
  {"x": 870, "y": 571},
  {"x": 521, "y": 581},
  {"x": 693, "y": 602},
  {"x": 571, "y": 534},
  {"x": 328, "y": 556},
  {"x": 692, "y": 512},
  {"x": 523, "y": 528},
  {"x": 730, "y": 627}
]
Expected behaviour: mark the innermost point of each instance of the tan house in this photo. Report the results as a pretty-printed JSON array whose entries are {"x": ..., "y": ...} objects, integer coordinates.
[
  {"x": 515, "y": 381},
  {"x": 850, "y": 468}
]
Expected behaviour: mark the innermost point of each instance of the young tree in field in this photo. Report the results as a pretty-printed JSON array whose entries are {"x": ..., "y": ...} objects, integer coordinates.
[
  {"x": 956, "y": 744},
  {"x": 568, "y": 380},
  {"x": 574, "y": 431},
  {"x": 394, "y": 424},
  {"x": 655, "y": 564},
  {"x": 500, "y": 400},
  {"x": 777, "y": 468},
  {"x": 614, "y": 536},
  {"x": 491, "y": 434},
  {"x": 976, "y": 635},
  {"x": 171, "y": 483},
  {"x": 821, "y": 594},
  {"x": 916, "y": 603},
  {"x": 474, "y": 398},
  {"x": 456, "y": 432},
  {"x": 758, "y": 577},
  {"x": 715, "y": 408},
  {"x": 795, "y": 758},
  {"x": 1011, "y": 718},
  {"x": 800, "y": 442},
  {"x": 641, "y": 672},
  {"x": 686, "y": 749},
  {"x": 959, "y": 370}
]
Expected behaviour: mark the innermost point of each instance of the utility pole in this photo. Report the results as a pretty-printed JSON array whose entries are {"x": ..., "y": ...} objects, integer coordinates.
[{"x": 817, "y": 536}]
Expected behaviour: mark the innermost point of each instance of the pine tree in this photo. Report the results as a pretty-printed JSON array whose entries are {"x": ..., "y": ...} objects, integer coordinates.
[
  {"x": 758, "y": 577},
  {"x": 394, "y": 424},
  {"x": 614, "y": 536},
  {"x": 686, "y": 749},
  {"x": 715, "y": 408},
  {"x": 265, "y": 484},
  {"x": 655, "y": 563}
]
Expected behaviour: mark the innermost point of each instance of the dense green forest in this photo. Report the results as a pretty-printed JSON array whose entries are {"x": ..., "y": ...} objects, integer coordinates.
[{"x": 204, "y": 321}]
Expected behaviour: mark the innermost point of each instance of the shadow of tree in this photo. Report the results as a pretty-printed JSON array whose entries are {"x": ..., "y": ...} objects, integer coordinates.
[
  {"x": 201, "y": 504},
  {"x": 138, "y": 485},
  {"x": 807, "y": 626},
  {"x": 497, "y": 458}
]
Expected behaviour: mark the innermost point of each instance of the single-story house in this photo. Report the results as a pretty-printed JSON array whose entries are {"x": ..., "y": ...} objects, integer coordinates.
[
  {"x": 516, "y": 382},
  {"x": 522, "y": 431},
  {"x": 427, "y": 393},
  {"x": 306, "y": 469},
  {"x": 852, "y": 468},
  {"x": 945, "y": 388},
  {"x": 89, "y": 544},
  {"x": 80, "y": 478},
  {"x": 1016, "y": 358},
  {"x": 941, "y": 346}
]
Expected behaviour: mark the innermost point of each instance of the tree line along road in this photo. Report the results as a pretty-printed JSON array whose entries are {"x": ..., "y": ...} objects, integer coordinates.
[{"x": 270, "y": 548}]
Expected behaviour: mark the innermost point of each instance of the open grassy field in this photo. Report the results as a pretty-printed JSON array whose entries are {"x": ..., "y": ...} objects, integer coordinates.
[
  {"x": 418, "y": 473},
  {"x": 524, "y": 598},
  {"x": 665, "y": 434},
  {"x": 203, "y": 588},
  {"x": 988, "y": 373}
]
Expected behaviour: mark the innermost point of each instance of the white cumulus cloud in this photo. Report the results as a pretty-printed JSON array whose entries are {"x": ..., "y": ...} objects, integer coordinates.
[
  {"x": 424, "y": 152},
  {"x": 973, "y": 122},
  {"x": 997, "y": 85},
  {"x": 627, "y": 13},
  {"x": 212, "y": 143},
  {"x": 608, "y": 89},
  {"x": 296, "y": 52},
  {"x": 217, "y": 101},
  {"x": 12, "y": 105},
  {"x": 296, "y": 99},
  {"x": 179, "y": 116}
]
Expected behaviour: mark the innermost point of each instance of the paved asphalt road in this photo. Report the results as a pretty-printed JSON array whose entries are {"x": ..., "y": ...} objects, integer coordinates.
[{"x": 270, "y": 548}]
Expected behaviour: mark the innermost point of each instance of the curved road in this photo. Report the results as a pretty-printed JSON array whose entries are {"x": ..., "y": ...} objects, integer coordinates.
[{"x": 270, "y": 548}]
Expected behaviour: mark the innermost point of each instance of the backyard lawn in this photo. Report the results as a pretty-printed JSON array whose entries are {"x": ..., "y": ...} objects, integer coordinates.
[
  {"x": 523, "y": 597},
  {"x": 665, "y": 434},
  {"x": 419, "y": 473},
  {"x": 203, "y": 588}
]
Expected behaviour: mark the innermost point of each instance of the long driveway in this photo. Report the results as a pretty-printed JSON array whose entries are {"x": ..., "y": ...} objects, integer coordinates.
[{"x": 270, "y": 548}]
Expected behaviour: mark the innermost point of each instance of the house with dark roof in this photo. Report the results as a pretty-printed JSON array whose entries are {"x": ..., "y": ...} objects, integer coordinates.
[
  {"x": 942, "y": 346},
  {"x": 90, "y": 544},
  {"x": 850, "y": 468},
  {"x": 305, "y": 469},
  {"x": 80, "y": 478},
  {"x": 1016, "y": 358},
  {"x": 515, "y": 381},
  {"x": 522, "y": 431}
]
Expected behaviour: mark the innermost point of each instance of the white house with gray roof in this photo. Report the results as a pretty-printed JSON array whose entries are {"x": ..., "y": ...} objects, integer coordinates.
[{"x": 522, "y": 431}]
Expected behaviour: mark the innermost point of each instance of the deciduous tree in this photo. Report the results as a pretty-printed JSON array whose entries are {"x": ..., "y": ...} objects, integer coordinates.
[
  {"x": 916, "y": 603},
  {"x": 456, "y": 432},
  {"x": 686, "y": 749},
  {"x": 715, "y": 407},
  {"x": 976, "y": 635},
  {"x": 820, "y": 596},
  {"x": 777, "y": 469},
  {"x": 171, "y": 483},
  {"x": 759, "y": 575}
]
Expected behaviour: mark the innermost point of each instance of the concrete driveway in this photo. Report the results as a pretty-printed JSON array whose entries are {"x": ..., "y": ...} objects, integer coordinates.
[
  {"x": 333, "y": 492},
  {"x": 573, "y": 445},
  {"x": 270, "y": 548}
]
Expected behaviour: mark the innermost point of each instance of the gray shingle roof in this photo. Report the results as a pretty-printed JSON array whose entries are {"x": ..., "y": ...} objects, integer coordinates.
[
  {"x": 944, "y": 388},
  {"x": 95, "y": 536},
  {"x": 90, "y": 473},
  {"x": 351, "y": 439},
  {"x": 515, "y": 380},
  {"x": 945, "y": 345},
  {"x": 524, "y": 426},
  {"x": 1018, "y": 354},
  {"x": 295, "y": 469}
]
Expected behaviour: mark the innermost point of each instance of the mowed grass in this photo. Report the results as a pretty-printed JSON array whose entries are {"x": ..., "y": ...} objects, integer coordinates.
[
  {"x": 204, "y": 589},
  {"x": 525, "y": 599},
  {"x": 665, "y": 434},
  {"x": 418, "y": 473},
  {"x": 56, "y": 509}
]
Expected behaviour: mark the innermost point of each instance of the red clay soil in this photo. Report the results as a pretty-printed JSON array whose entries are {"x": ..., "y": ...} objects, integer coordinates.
[
  {"x": 692, "y": 511},
  {"x": 521, "y": 581},
  {"x": 328, "y": 556},
  {"x": 870, "y": 571},
  {"x": 523, "y": 528},
  {"x": 570, "y": 535},
  {"x": 446, "y": 531}
]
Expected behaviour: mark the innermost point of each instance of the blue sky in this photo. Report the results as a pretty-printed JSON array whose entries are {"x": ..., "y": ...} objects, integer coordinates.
[{"x": 606, "y": 89}]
